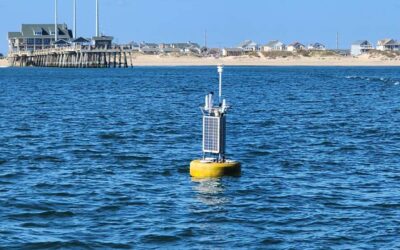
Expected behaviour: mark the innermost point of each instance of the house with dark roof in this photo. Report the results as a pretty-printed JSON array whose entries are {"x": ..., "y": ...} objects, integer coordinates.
[
  {"x": 360, "y": 47},
  {"x": 274, "y": 45},
  {"x": 81, "y": 41},
  {"x": 296, "y": 46},
  {"x": 316, "y": 46},
  {"x": 388, "y": 45},
  {"x": 37, "y": 36},
  {"x": 104, "y": 42}
]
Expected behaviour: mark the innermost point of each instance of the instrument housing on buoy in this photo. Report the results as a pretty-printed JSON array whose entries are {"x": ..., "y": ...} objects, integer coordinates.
[{"x": 214, "y": 162}]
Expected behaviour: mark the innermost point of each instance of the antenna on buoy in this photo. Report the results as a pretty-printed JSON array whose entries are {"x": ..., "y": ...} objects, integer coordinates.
[
  {"x": 214, "y": 163},
  {"x": 220, "y": 71}
]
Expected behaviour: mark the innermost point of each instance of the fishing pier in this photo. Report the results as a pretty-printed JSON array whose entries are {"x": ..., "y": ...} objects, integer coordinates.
[
  {"x": 54, "y": 45},
  {"x": 74, "y": 57}
]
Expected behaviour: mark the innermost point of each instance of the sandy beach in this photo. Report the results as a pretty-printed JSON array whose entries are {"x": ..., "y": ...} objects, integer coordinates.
[
  {"x": 154, "y": 60},
  {"x": 3, "y": 63}
]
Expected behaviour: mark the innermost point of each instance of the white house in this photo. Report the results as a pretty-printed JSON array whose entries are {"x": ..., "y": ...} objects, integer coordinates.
[
  {"x": 360, "y": 47},
  {"x": 296, "y": 46},
  {"x": 274, "y": 46},
  {"x": 388, "y": 45},
  {"x": 249, "y": 45},
  {"x": 316, "y": 46}
]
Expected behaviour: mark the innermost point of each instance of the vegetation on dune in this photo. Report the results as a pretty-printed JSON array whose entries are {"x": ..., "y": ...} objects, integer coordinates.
[
  {"x": 277, "y": 54},
  {"x": 253, "y": 54},
  {"x": 388, "y": 54}
]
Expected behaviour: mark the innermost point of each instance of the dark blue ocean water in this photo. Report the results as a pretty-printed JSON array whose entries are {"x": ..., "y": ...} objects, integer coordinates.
[{"x": 99, "y": 159}]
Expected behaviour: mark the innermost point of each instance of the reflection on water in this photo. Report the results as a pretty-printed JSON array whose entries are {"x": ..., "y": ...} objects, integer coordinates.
[{"x": 210, "y": 192}]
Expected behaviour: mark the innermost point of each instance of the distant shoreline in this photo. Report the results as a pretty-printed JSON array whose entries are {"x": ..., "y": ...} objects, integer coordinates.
[{"x": 172, "y": 60}]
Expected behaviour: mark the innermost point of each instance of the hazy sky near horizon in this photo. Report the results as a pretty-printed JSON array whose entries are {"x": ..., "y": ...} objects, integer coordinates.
[{"x": 227, "y": 22}]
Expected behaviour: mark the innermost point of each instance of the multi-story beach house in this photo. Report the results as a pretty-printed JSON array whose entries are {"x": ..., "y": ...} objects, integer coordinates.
[
  {"x": 296, "y": 46},
  {"x": 274, "y": 45},
  {"x": 360, "y": 47},
  {"x": 37, "y": 36},
  {"x": 388, "y": 45},
  {"x": 249, "y": 46},
  {"x": 316, "y": 46}
]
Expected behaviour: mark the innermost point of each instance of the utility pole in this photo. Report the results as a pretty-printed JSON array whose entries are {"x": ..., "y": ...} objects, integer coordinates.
[
  {"x": 75, "y": 19},
  {"x": 337, "y": 40},
  {"x": 97, "y": 19},
  {"x": 205, "y": 39},
  {"x": 55, "y": 21}
]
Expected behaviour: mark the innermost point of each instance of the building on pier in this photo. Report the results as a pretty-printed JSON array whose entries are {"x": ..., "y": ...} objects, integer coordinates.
[
  {"x": 104, "y": 42},
  {"x": 37, "y": 37}
]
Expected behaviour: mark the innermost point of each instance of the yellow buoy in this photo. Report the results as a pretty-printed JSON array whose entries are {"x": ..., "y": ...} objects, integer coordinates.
[
  {"x": 214, "y": 133},
  {"x": 209, "y": 169}
]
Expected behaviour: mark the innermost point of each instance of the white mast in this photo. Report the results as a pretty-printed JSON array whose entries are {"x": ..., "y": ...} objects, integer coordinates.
[
  {"x": 220, "y": 71},
  {"x": 55, "y": 21},
  {"x": 97, "y": 18},
  {"x": 74, "y": 19}
]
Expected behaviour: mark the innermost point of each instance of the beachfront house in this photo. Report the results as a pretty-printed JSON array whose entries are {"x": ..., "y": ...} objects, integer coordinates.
[
  {"x": 316, "y": 46},
  {"x": 134, "y": 46},
  {"x": 232, "y": 52},
  {"x": 360, "y": 47},
  {"x": 215, "y": 52},
  {"x": 249, "y": 46},
  {"x": 188, "y": 47},
  {"x": 274, "y": 45},
  {"x": 296, "y": 46},
  {"x": 388, "y": 45},
  {"x": 168, "y": 50},
  {"x": 37, "y": 37}
]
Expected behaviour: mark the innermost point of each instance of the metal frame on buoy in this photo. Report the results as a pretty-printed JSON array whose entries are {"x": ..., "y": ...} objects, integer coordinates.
[
  {"x": 214, "y": 125},
  {"x": 214, "y": 162}
]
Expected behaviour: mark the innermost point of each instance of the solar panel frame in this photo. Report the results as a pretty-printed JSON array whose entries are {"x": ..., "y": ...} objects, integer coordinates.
[{"x": 213, "y": 134}]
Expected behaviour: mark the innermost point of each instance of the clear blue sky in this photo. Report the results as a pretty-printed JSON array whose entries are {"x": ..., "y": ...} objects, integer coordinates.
[{"x": 227, "y": 21}]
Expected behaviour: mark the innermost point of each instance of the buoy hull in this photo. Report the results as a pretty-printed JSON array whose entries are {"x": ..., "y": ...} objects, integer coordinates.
[{"x": 201, "y": 169}]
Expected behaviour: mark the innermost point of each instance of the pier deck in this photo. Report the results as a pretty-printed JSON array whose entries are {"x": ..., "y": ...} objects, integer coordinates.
[{"x": 74, "y": 57}]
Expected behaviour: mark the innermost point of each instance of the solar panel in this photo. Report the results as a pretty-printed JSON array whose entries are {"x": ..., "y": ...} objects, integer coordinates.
[{"x": 213, "y": 134}]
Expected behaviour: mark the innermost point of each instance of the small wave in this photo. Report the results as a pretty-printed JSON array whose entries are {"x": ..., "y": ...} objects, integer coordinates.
[
  {"x": 9, "y": 175},
  {"x": 48, "y": 158},
  {"x": 47, "y": 214},
  {"x": 33, "y": 225},
  {"x": 156, "y": 238},
  {"x": 110, "y": 136},
  {"x": 260, "y": 153},
  {"x": 271, "y": 241},
  {"x": 108, "y": 208},
  {"x": 133, "y": 158},
  {"x": 56, "y": 245}
]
